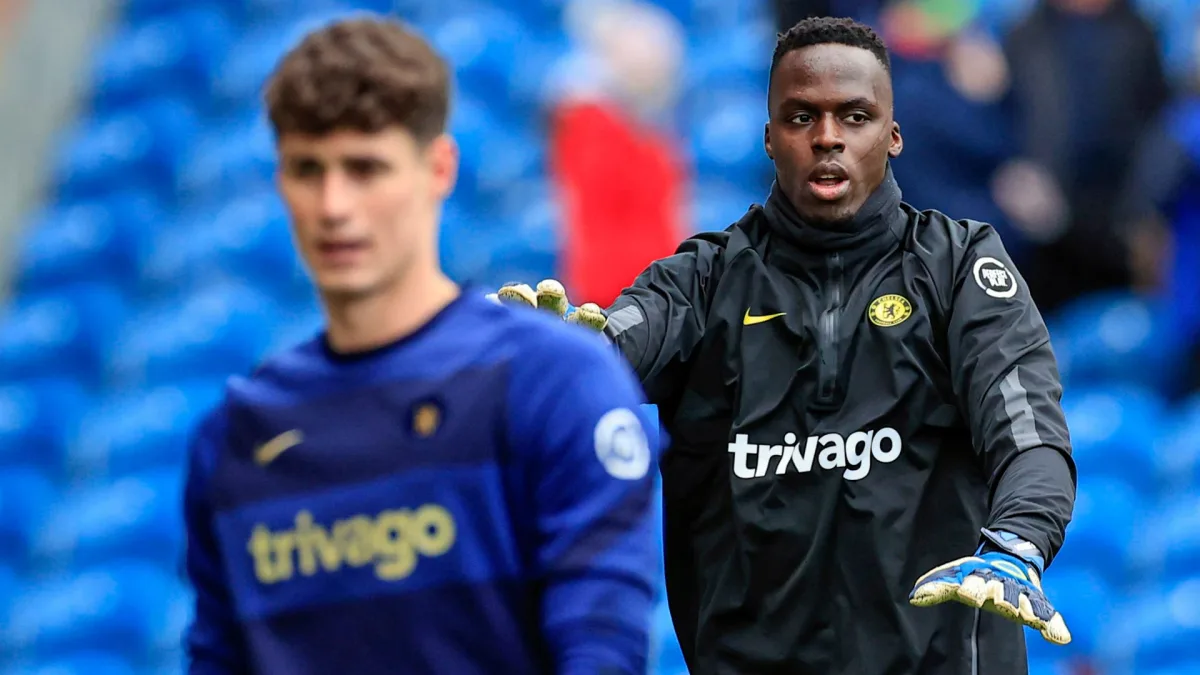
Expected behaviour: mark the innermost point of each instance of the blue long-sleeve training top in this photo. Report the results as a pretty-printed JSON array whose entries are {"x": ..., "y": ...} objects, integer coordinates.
[{"x": 475, "y": 498}]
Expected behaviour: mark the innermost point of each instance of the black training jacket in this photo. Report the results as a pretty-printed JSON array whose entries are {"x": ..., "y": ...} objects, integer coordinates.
[{"x": 847, "y": 409}]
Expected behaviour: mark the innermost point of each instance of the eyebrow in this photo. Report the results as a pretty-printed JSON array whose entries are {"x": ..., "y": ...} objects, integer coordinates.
[
  {"x": 359, "y": 158},
  {"x": 856, "y": 102}
]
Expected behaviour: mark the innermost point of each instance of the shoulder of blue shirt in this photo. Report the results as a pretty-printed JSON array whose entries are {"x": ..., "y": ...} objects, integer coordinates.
[{"x": 541, "y": 349}]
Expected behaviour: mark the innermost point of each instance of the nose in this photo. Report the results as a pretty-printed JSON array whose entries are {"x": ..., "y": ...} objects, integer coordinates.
[
  {"x": 827, "y": 135},
  {"x": 336, "y": 198}
]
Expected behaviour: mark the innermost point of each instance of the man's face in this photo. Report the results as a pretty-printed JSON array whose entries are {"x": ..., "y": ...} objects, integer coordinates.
[
  {"x": 831, "y": 130},
  {"x": 363, "y": 206}
]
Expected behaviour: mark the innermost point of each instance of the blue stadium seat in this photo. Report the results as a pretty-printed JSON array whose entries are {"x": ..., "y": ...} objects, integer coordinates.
[
  {"x": 276, "y": 10},
  {"x": 215, "y": 332},
  {"x": 240, "y": 77},
  {"x": 517, "y": 260},
  {"x": 738, "y": 56},
  {"x": 231, "y": 159},
  {"x": 465, "y": 259},
  {"x": 137, "y": 11},
  {"x": 79, "y": 242},
  {"x": 301, "y": 326},
  {"x": 1107, "y": 513},
  {"x": 26, "y": 495},
  {"x": 727, "y": 132},
  {"x": 1167, "y": 544},
  {"x": 1112, "y": 431},
  {"x": 82, "y": 663},
  {"x": 1183, "y": 666},
  {"x": 542, "y": 16},
  {"x": 1085, "y": 600},
  {"x": 482, "y": 45},
  {"x": 494, "y": 153},
  {"x": 63, "y": 334},
  {"x": 719, "y": 204},
  {"x": 125, "y": 608},
  {"x": 1117, "y": 338},
  {"x": 137, "y": 516},
  {"x": 173, "y": 52},
  {"x": 36, "y": 419},
  {"x": 141, "y": 430},
  {"x": 244, "y": 240},
  {"x": 1177, "y": 453},
  {"x": 710, "y": 16},
  {"x": 136, "y": 147},
  {"x": 1045, "y": 666},
  {"x": 1166, "y": 626},
  {"x": 537, "y": 56},
  {"x": 10, "y": 588}
]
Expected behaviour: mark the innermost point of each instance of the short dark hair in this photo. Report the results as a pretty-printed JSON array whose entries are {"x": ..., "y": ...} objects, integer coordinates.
[
  {"x": 360, "y": 74},
  {"x": 829, "y": 30}
]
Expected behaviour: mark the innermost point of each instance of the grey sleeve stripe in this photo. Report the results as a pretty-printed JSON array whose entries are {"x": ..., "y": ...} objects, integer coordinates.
[
  {"x": 1020, "y": 413},
  {"x": 623, "y": 319}
]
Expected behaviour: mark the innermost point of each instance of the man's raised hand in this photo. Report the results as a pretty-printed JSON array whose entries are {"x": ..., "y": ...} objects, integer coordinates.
[{"x": 551, "y": 296}]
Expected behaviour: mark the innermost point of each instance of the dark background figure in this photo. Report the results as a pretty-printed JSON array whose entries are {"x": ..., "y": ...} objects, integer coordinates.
[
  {"x": 1087, "y": 82},
  {"x": 1161, "y": 202},
  {"x": 952, "y": 102}
]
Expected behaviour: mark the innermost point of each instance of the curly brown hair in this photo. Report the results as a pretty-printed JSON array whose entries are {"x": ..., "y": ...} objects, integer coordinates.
[{"x": 361, "y": 74}]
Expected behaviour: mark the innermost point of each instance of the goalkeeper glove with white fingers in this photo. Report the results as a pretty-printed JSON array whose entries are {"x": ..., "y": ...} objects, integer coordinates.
[
  {"x": 1003, "y": 577},
  {"x": 551, "y": 296}
]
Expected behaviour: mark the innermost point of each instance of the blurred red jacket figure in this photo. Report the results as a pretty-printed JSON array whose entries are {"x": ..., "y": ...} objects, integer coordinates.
[{"x": 621, "y": 187}]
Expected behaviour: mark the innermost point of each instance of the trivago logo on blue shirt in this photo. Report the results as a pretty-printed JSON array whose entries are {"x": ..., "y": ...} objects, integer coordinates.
[
  {"x": 391, "y": 542},
  {"x": 410, "y": 531}
]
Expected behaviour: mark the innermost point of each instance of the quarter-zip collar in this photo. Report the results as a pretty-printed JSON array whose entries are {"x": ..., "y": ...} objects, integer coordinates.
[{"x": 875, "y": 227}]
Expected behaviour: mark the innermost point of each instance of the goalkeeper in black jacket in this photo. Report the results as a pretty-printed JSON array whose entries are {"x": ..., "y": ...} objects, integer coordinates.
[{"x": 863, "y": 405}]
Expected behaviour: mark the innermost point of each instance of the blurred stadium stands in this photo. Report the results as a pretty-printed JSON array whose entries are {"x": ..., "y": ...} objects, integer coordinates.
[{"x": 162, "y": 264}]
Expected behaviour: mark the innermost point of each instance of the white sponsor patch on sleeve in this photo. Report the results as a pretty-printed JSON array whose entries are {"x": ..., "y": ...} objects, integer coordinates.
[
  {"x": 994, "y": 278},
  {"x": 621, "y": 444}
]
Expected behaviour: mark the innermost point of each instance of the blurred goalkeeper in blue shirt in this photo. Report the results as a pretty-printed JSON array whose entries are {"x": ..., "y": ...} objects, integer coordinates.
[{"x": 423, "y": 487}]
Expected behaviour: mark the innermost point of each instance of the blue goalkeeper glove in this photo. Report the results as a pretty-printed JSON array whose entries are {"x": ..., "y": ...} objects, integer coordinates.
[
  {"x": 552, "y": 297},
  {"x": 1003, "y": 578}
]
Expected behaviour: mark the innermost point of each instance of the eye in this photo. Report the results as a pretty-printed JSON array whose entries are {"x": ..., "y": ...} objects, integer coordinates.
[
  {"x": 802, "y": 118},
  {"x": 364, "y": 168},
  {"x": 305, "y": 168},
  {"x": 858, "y": 118}
]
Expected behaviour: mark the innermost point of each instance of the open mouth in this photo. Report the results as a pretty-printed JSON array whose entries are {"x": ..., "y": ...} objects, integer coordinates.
[{"x": 829, "y": 182}]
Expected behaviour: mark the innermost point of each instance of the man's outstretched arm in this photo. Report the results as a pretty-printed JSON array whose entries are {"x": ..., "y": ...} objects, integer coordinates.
[
  {"x": 658, "y": 321},
  {"x": 1006, "y": 380}
]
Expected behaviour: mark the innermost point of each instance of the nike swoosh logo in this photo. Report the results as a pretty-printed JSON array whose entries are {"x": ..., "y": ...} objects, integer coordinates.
[
  {"x": 751, "y": 320},
  {"x": 267, "y": 452}
]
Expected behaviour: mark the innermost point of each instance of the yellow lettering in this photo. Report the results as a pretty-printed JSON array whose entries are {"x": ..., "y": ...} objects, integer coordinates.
[
  {"x": 395, "y": 556},
  {"x": 260, "y": 549},
  {"x": 393, "y": 541},
  {"x": 354, "y": 539},
  {"x": 432, "y": 530},
  {"x": 312, "y": 541},
  {"x": 283, "y": 543}
]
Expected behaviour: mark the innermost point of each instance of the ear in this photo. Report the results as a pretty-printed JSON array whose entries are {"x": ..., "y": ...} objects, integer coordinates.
[
  {"x": 443, "y": 159},
  {"x": 767, "y": 141},
  {"x": 896, "y": 146}
]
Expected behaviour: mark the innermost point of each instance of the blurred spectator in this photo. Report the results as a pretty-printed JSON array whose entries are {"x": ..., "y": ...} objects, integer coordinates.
[
  {"x": 1087, "y": 81},
  {"x": 951, "y": 85},
  {"x": 614, "y": 160},
  {"x": 1162, "y": 199}
]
